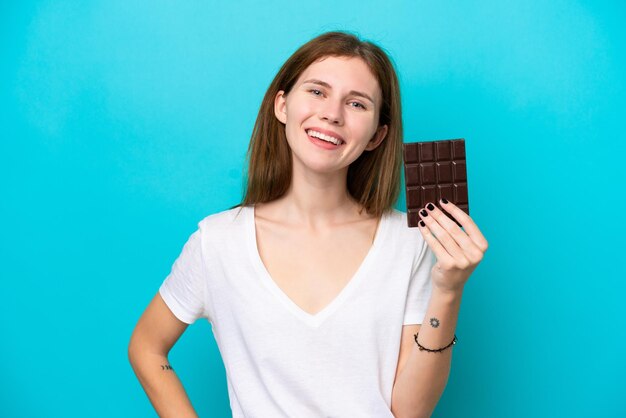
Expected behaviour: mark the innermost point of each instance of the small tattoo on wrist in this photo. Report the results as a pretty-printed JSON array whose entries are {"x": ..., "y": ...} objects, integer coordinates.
[
  {"x": 166, "y": 367},
  {"x": 434, "y": 322}
]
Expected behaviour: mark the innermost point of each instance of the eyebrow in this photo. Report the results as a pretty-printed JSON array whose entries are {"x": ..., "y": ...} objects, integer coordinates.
[{"x": 352, "y": 92}]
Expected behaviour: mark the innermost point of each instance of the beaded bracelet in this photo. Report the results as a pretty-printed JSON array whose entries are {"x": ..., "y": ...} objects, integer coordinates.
[{"x": 422, "y": 348}]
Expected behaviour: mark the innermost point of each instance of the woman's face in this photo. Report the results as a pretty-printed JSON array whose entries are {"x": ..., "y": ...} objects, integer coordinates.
[{"x": 336, "y": 98}]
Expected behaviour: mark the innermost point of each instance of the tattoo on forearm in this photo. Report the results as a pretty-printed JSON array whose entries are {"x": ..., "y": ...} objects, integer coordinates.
[
  {"x": 434, "y": 322},
  {"x": 166, "y": 367}
]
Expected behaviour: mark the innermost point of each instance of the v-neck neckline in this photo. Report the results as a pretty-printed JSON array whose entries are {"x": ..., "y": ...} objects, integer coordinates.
[{"x": 313, "y": 320}]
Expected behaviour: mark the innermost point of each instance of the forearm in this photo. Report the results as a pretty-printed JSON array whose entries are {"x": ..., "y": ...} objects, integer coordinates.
[
  {"x": 162, "y": 385},
  {"x": 423, "y": 379}
]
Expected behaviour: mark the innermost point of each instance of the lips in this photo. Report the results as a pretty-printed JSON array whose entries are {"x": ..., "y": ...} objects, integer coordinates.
[{"x": 326, "y": 132}]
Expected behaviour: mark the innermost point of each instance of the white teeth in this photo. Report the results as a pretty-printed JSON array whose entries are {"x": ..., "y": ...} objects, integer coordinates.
[{"x": 324, "y": 137}]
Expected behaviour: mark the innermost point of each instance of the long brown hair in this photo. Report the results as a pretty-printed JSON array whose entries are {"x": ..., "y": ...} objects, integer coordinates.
[{"x": 374, "y": 177}]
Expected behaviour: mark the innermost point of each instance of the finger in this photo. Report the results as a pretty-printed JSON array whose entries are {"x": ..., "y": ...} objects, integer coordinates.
[
  {"x": 442, "y": 255},
  {"x": 448, "y": 243},
  {"x": 468, "y": 224},
  {"x": 468, "y": 247}
]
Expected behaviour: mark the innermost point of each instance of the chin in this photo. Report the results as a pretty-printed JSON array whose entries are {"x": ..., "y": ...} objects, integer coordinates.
[{"x": 313, "y": 166}]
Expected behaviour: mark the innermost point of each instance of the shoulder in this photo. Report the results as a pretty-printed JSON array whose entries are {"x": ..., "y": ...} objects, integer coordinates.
[
  {"x": 400, "y": 231},
  {"x": 224, "y": 221},
  {"x": 398, "y": 221}
]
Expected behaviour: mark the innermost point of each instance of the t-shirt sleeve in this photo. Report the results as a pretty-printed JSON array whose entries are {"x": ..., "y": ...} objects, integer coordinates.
[
  {"x": 420, "y": 286},
  {"x": 183, "y": 289}
]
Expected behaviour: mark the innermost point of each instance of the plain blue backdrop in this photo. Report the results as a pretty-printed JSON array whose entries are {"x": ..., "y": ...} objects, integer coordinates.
[{"x": 124, "y": 123}]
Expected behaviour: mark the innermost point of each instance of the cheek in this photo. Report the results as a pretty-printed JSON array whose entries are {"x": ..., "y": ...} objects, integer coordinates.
[
  {"x": 365, "y": 127},
  {"x": 298, "y": 106},
  {"x": 298, "y": 116},
  {"x": 303, "y": 111}
]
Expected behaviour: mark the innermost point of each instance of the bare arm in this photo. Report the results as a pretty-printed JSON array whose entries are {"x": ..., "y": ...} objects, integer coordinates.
[
  {"x": 421, "y": 377},
  {"x": 155, "y": 333}
]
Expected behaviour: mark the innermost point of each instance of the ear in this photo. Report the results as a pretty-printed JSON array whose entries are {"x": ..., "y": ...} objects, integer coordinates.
[
  {"x": 380, "y": 134},
  {"x": 280, "y": 107}
]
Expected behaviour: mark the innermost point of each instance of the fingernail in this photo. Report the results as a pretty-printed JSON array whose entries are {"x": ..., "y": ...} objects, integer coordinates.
[
  {"x": 443, "y": 199},
  {"x": 424, "y": 213},
  {"x": 422, "y": 224},
  {"x": 430, "y": 206}
]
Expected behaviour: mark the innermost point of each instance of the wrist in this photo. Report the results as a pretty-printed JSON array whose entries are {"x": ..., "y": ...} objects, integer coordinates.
[{"x": 449, "y": 295}]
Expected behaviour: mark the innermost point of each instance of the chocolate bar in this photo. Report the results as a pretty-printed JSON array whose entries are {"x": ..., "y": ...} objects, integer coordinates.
[{"x": 433, "y": 170}]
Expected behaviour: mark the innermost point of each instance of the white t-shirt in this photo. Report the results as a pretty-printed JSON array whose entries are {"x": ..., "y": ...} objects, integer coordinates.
[{"x": 281, "y": 361}]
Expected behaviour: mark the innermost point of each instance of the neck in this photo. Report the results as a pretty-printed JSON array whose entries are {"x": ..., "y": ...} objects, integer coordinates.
[{"x": 318, "y": 200}]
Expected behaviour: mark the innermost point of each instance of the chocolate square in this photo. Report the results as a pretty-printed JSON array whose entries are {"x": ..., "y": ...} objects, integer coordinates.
[{"x": 433, "y": 170}]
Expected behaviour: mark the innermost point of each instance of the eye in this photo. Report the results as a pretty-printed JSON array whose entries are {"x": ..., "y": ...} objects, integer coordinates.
[
  {"x": 316, "y": 92},
  {"x": 357, "y": 105}
]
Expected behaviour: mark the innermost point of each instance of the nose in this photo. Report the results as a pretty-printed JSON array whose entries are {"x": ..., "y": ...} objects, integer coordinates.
[{"x": 332, "y": 112}]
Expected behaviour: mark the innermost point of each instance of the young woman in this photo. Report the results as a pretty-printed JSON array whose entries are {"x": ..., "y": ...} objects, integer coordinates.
[{"x": 315, "y": 287}]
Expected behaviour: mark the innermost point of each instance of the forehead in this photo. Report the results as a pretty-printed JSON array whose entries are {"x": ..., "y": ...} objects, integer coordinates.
[{"x": 349, "y": 73}]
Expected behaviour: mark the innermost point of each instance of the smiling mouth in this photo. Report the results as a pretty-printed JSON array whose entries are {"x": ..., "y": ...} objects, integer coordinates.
[{"x": 326, "y": 138}]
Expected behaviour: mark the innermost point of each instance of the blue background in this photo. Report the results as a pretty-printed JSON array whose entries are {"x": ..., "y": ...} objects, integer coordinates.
[{"x": 125, "y": 123}]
